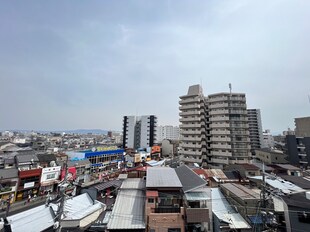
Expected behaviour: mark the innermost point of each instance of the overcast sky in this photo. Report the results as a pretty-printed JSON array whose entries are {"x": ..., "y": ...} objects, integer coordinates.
[{"x": 85, "y": 64}]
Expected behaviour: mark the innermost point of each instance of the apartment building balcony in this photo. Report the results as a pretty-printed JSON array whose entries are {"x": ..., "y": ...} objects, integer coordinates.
[
  {"x": 234, "y": 111},
  {"x": 220, "y": 146},
  {"x": 166, "y": 209},
  {"x": 219, "y": 125},
  {"x": 191, "y": 119},
  {"x": 192, "y": 153},
  {"x": 216, "y": 112},
  {"x": 219, "y": 139},
  {"x": 220, "y": 160},
  {"x": 191, "y": 132},
  {"x": 220, "y": 132},
  {"x": 189, "y": 145},
  {"x": 191, "y": 139},
  {"x": 189, "y": 106},
  {"x": 217, "y": 118},
  {"x": 221, "y": 153},
  {"x": 189, "y": 113},
  {"x": 218, "y": 105},
  {"x": 186, "y": 100},
  {"x": 190, "y": 160},
  {"x": 194, "y": 125}
]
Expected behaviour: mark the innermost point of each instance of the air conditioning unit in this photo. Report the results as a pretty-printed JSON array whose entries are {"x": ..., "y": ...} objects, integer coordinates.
[{"x": 176, "y": 205}]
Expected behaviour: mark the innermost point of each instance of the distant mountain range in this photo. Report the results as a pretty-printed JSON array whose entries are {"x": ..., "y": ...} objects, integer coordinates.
[{"x": 76, "y": 131}]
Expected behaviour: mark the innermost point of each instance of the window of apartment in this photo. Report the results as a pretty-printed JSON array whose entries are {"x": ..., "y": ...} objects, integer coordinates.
[{"x": 150, "y": 200}]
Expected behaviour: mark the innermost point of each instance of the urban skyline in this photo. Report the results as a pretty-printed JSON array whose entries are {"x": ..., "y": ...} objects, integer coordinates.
[{"x": 96, "y": 62}]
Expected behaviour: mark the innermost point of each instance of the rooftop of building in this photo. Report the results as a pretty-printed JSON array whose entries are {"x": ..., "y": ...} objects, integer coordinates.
[
  {"x": 240, "y": 191},
  {"x": 298, "y": 200},
  {"x": 8, "y": 173},
  {"x": 189, "y": 179},
  {"x": 225, "y": 212},
  {"x": 162, "y": 177},
  {"x": 300, "y": 181},
  {"x": 128, "y": 210}
]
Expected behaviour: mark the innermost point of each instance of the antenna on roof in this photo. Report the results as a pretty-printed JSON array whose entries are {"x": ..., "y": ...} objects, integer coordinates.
[{"x": 230, "y": 88}]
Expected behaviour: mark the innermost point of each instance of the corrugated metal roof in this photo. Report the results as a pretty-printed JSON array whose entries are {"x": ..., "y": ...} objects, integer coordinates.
[
  {"x": 189, "y": 179},
  {"x": 197, "y": 196},
  {"x": 278, "y": 183},
  {"x": 133, "y": 183},
  {"x": 215, "y": 172},
  {"x": 162, "y": 177},
  {"x": 240, "y": 191},
  {"x": 222, "y": 209},
  {"x": 128, "y": 211},
  {"x": 105, "y": 185},
  {"x": 36, "y": 219}
]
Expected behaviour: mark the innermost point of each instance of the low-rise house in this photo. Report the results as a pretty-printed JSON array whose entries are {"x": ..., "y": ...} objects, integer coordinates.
[
  {"x": 286, "y": 169},
  {"x": 271, "y": 156},
  {"x": 8, "y": 183},
  {"x": 246, "y": 170},
  {"x": 82, "y": 170},
  {"x": 244, "y": 199},
  {"x": 164, "y": 200},
  {"x": 197, "y": 200},
  {"x": 29, "y": 173}
]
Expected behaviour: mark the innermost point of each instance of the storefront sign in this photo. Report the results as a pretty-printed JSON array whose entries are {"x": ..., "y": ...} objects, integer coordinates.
[{"x": 29, "y": 185}]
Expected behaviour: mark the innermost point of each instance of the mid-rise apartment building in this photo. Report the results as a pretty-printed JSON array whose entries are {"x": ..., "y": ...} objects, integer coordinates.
[
  {"x": 255, "y": 129},
  {"x": 167, "y": 132},
  {"x": 139, "y": 131},
  {"x": 214, "y": 129}
]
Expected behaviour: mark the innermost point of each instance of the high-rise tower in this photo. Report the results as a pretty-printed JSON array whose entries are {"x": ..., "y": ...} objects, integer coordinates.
[
  {"x": 214, "y": 130},
  {"x": 193, "y": 120},
  {"x": 255, "y": 128}
]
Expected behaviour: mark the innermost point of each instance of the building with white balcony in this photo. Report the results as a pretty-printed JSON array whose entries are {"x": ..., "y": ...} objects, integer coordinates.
[
  {"x": 139, "y": 131},
  {"x": 255, "y": 128},
  {"x": 167, "y": 132},
  {"x": 229, "y": 129},
  {"x": 214, "y": 130},
  {"x": 193, "y": 120}
]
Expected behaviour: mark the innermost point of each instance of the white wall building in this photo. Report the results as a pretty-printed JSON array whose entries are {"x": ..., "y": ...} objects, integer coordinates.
[
  {"x": 268, "y": 140},
  {"x": 167, "y": 132},
  {"x": 50, "y": 177},
  {"x": 139, "y": 131}
]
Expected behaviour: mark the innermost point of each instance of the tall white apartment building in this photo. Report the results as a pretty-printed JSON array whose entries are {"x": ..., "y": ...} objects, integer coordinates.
[
  {"x": 193, "y": 119},
  {"x": 167, "y": 132},
  {"x": 256, "y": 129},
  {"x": 268, "y": 140},
  {"x": 214, "y": 130},
  {"x": 139, "y": 131}
]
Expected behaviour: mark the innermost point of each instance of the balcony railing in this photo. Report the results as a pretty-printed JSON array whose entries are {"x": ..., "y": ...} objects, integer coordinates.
[{"x": 167, "y": 209}]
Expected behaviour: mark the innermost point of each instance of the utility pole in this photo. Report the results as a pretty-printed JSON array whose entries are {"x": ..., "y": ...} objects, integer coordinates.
[
  {"x": 264, "y": 199},
  {"x": 62, "y": 188}
]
